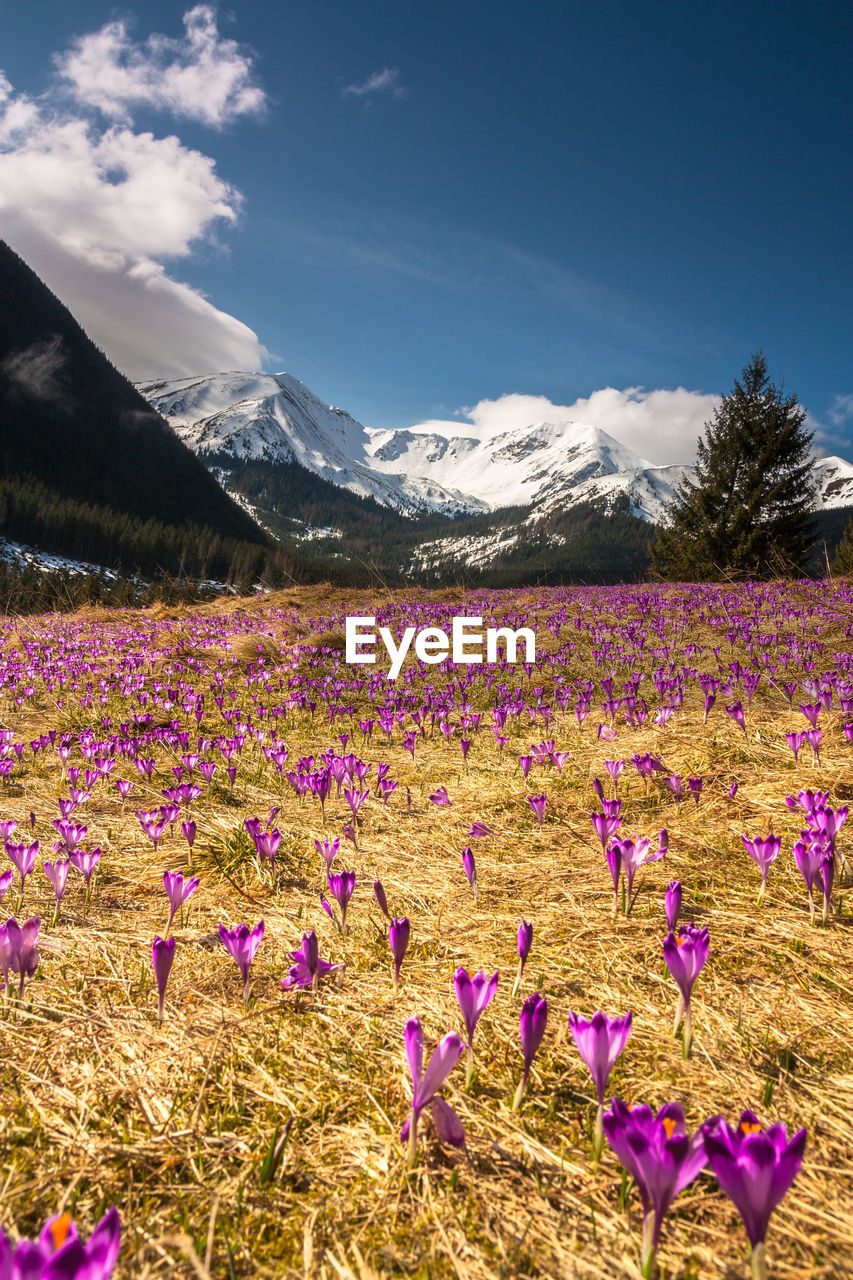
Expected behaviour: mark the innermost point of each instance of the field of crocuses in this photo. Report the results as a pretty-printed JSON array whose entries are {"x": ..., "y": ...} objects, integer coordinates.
[{"x": 534, "y": 970}]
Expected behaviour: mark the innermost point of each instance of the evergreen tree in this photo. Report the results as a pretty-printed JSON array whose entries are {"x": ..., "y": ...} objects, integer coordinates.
[{"x": 748, "y": 510}]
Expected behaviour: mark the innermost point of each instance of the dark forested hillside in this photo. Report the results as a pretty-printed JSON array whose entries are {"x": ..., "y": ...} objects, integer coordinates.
[{"x": 69, "y": 418}]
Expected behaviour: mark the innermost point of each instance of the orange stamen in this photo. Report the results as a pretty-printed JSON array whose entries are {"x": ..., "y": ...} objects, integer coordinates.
[
  {"x": 747, "y": 1128},
  {"x": 669, "y": 1125},
  {"x": 59, "y": 1230}
]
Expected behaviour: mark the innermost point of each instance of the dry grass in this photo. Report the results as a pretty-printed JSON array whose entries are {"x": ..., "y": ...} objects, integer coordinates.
[{"x": 171, "y": 1122}]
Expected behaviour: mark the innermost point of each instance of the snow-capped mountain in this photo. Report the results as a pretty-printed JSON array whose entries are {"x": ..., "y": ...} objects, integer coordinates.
[{"x": 274, "y": 418}]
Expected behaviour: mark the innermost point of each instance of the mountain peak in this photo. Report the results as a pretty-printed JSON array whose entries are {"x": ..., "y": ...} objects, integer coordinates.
[{"x": 275, "y": 418}]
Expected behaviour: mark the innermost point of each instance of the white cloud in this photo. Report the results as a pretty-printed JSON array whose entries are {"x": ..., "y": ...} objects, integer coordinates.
[
  {"x": 97, "y": 212},
  {"x": 662, "y": 426},
  {"x": 199, "y": 77},
  {"x": 841, "y": 410},
  {"x": 385, "y": 81}
]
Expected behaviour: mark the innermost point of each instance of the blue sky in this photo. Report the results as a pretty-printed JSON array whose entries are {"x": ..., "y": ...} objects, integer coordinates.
[{"x": 421, "y": 208}]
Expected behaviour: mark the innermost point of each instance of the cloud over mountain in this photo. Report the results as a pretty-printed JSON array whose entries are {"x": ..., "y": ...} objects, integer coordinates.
[{"x": 101, "y": 209}]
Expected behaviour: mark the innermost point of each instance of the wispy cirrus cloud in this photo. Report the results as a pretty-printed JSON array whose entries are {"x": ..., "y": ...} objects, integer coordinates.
[
  {"x": 98, "y": 208},
  {"x": 385, "y": 81},
  {"x": 840, "y": 410}
]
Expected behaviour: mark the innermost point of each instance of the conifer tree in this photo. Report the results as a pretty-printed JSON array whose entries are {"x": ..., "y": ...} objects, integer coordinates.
[{"x": 747, "y": 513}]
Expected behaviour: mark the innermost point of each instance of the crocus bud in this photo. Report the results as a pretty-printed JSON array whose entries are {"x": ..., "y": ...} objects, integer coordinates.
[
  {"x": 673, "y": 904},
  {"x": 398, "y": 939},
  {"x": 382, "y": 901},
  {"x": 162, "y": 955},
  {"x": 525, "y": 941},
  {"x": 470, "y": 868}
]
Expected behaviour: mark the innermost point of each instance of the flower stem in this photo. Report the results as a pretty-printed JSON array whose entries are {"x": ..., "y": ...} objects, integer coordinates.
[
  {"x": 598, "y": 1136},
  {"x": 679, "y": 1014},
  {"x": 648, "y": 1258},
  {"x": 519, "y": 1093},
  {"x": 688, "y": 1033},
  {"x": 758, "y": 1262},
  {"x": 413, "y": 1140}
]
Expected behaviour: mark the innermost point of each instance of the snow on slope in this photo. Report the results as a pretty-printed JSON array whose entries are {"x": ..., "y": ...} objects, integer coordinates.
[
  {"x": 276, "y": 418},
  {"x": 834, "y": 479}
]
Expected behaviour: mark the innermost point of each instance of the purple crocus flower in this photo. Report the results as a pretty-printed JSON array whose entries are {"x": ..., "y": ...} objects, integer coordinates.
[
  {"x": 356, "y": 798},
  {"x": 755, "y": 1169},
  {"x": 614, "y": 862},
  {"x": 399, "y": 932},
  {"x": 765, "y": 851},
  {"x": 809, "y": 855},
  {"x": 341, "y": 888},
  {"x": 57, "y": 874},
  {"x": 675, "y": 785},
  {"x": 23, "y": 858},
  {"x": 736, "y": 713},
  {"x": 59, "y": 1253},
  {"x": 153, "y": 824},
  {"x": 426, "y": 1084},
  {"x": 86, "y": 863},
  {"x": 308, "y": 967},
  {"x": 189, "y": 831},
  {"x": 18, "y": 949},
  {"x": 475, "y": 993},
  {"x": 469, "y": 866},
  {"x": 5, "y": 880},
  {"x": 537, "y": 804},
  {"x": 672, "y": 904},
  {"x": 525, "y": 942},
  {"x": 382, "y": 901},
  {"x": 328, "y": 851},
  {"x": 267, "y": 843},
  {"x": 600, "y": 1042},
  {"x": 162, "y": 955},
  {"x": 525, "y": 763},
  {"x": 659, "y": 1156},
  {"x": 606, "y": 825},
  {"x": 685, "y": 955},
  {"x": 534, "y": 1019},
  {"x": 614, "y": 768},
  {"x": 695, "y": 785},
  {"x": 635, "y": 853},
  {"x": 478, "y": 830},
  {"x": 440, "y": 796},
  {"x": 178, "y": 892},
  {"x": 242, "y": 943},
  {"x": 830, "y": 821}
]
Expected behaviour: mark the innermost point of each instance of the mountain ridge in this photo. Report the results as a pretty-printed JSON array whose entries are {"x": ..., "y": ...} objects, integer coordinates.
[{"x": 274, "y": 418}]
